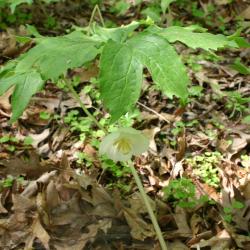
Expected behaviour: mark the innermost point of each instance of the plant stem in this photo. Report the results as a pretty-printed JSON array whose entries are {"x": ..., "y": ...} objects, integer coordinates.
[
  {"x": 96, "y": 9},
  {"x": 148, "y": 206},
  {"x": 77, "y": 98}
]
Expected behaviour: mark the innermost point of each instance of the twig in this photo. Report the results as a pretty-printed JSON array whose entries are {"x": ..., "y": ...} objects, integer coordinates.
[{"x": 153, "y": 111}]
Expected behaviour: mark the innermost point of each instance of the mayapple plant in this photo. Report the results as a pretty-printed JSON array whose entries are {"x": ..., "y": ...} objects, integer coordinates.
[{"x": 122, "y": 53}]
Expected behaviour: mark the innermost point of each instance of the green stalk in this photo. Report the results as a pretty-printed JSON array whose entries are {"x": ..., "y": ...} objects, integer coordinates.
[
  {"x": 77, "y": 98},
  {"x": 95, "y": 10},
  {"x": 148, "y": 206}
]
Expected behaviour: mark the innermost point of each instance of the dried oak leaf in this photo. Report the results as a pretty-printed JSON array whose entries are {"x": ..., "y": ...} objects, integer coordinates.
[
  {"x": 31, "y": 167},
  {"x": 37, "y": 231},
  {"x": 221, "y": 241},
  {"x": 140, "y": 229}
]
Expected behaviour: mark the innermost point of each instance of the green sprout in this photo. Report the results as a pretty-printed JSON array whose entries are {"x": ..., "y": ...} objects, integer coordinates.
[
  {"x": 206, "y": 167},
  {"x": 182, "y": 193}
]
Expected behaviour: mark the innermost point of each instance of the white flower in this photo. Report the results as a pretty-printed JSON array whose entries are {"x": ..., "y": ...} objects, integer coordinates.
[{"x": 123, "y": 143}]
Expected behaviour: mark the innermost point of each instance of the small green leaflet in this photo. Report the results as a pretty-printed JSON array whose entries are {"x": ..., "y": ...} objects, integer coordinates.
[
  {"x": 164, "y": 64},
  {"x": 54, "y": 55},
  {"x": 120, "y": 78},
  {"x": 26, "y": 85},
  {"x": 193, "y": 39}
]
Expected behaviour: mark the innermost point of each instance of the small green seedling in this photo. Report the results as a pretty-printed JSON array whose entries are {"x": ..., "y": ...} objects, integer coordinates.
[
  {"x": 245, "y": 161},
  {"x": 230, "y": 210},
  {"x": 10, "y": 143},
  {"x": 44, "y": 115},
  {"x": 236, "y": 103},
  {"x": 9, "y": 180},
  {"x": 84, "y": 158},
  {"x": 182, "y": 193},
  {"x": 117, "y": 170},
  {"x": 8, "y": 138},
  {"x": 206, "y": 167}
]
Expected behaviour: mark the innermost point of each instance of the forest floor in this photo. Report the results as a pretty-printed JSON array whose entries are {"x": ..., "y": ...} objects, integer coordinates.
[{"x": 56, "y": 192}]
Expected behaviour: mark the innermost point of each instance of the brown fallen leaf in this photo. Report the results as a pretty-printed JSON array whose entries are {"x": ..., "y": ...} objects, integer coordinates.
[
  {"x": 15, "y": 228},
  {"x": 140, "y": 229},
  {"x": 71, "y": 242},
  {"x": 181, "y": 146},
  {"x": 22, "y": 204},
  {"x": 3, "y": 210},
  {"x": 5, "y": 100},
  {"x": 245, "y": 186},
  {"x": 52, "y": 196},
  {"x": 196, "y": 223},
  {"x": 239, "y": 141},
  {"x": 37, "y": 231},
  {"x": 246, "y": 13},
  {"x": 86, "y": 74},
  {"x": 242, "y": 241},
  {"x": 222, "y": 241},
  {"x": 151, "y": 133},
  {"x": 177, "y": 245},
  {"x": 30, "y": 167},
  {"x": 32, "y": 187},
  {"x": 181, "y": 221}
]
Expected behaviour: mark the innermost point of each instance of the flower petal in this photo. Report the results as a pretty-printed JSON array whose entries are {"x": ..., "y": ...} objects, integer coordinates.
[
  {"x": 140, "y": 143},
  {"x": 109, "y": 145},
  {"x": 107, "y": 142}
]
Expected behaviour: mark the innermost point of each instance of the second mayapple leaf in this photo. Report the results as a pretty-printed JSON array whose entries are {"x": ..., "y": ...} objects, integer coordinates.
[
  {"x": 121, "y": 71},
  {"x": 164, "y": 64}
]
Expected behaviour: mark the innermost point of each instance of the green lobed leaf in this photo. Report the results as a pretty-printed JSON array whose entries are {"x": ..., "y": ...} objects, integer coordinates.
[
  {"x": 164, "y": 64},
  {"x": 26, "y": 85},
  {"x": 192, "y": 39},
  {"x": 120, "y": 78},
  {"x": 54, "y": 55}
]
